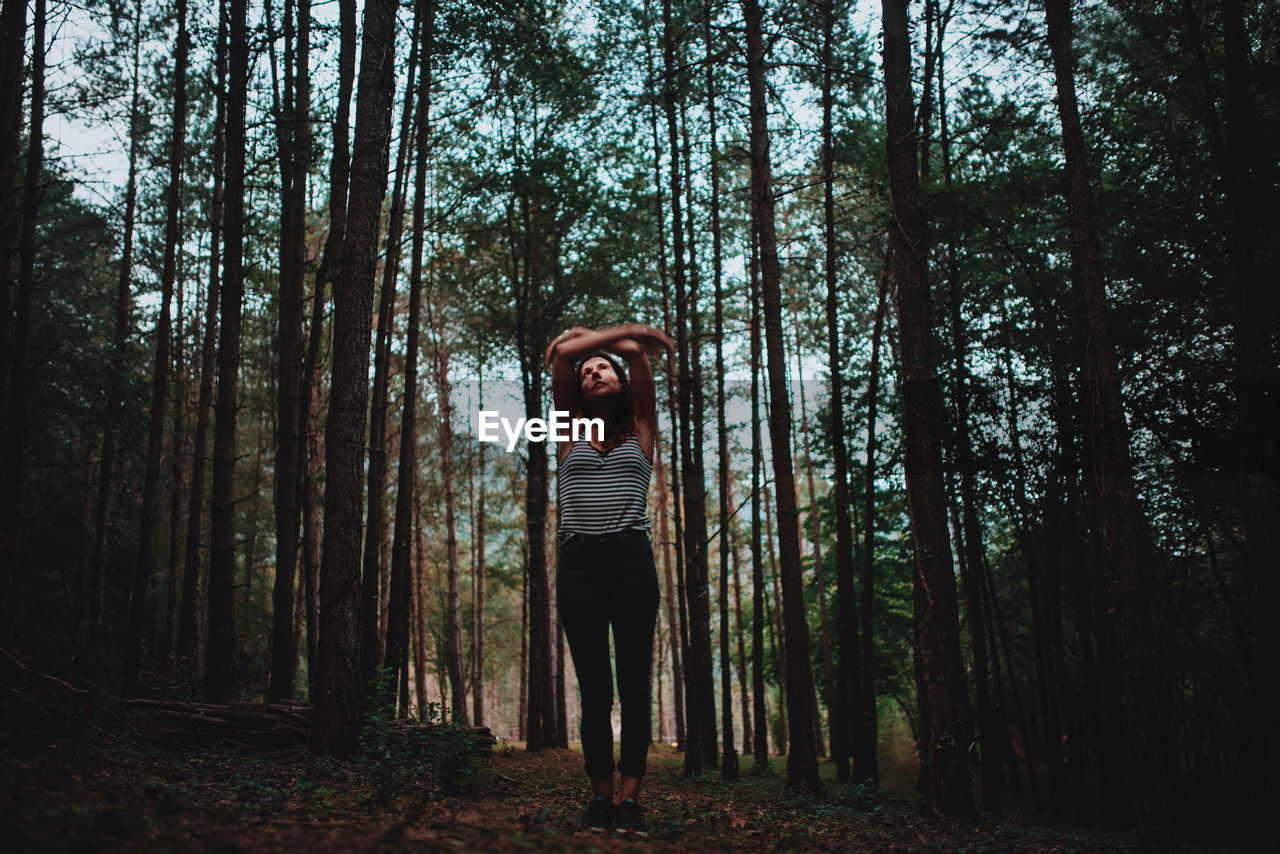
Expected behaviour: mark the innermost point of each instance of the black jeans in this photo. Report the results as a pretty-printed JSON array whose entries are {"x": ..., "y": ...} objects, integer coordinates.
[{"x": 605, "y": 580}]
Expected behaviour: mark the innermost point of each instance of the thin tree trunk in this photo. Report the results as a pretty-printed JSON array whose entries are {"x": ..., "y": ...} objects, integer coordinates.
[
  {"x": 1115, "y": 517},
  {"x": 181, "y": 401},
  {"x": 699, "y": 682},
  {"x": 336, "y": 726},
  {"x": 144, "y": 562},
  {"x": 295, "y": 124},
  {"x": 311, "y": 452},
  {"x": 97, "y": 565},
  {"x": 866, "y": 766},
  {"x": 846, "y": 717},
  {"x": 397, "y": 640},
  {"x": 760, "y": 749},
  {"x": 729, "y": 751},
  {"x": 419, "y": 611},
  {"x": 748, "y": 740},
  {"x": 453, "y": 615},
  {"x": 17, "y": 417},
  {"x": 673, "y": 623},
  {"x": 220, "y": 681},
  {"x": 478, "y": 586},
  {"x": 13, "y": 35},
  {"x": 188, "y": 630},
  {"x": 945, "y": 787},
  {"x": 971, "y": 564},
  {"x": 836, "y": 718},
  {"x": 802, "y": 760},
  {"x": 1250, "y": 183},
  {"x": 376, "y": 518}
]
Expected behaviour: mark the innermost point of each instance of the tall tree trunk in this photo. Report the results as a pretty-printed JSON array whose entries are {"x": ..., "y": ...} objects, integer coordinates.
[
  {"x": 1110, "y": 491},
  {"x": 973, "y": 555},
  {"x": 1250, "y": 182},
  {"x": 188, "y": 631},
  {"x": 836, "y": 719},
  {"x": 729, "y": 751},
  {"x": 371, "y": 651},
  {"x": 744, "y": 692},
  {"x": 311, "y": 451},
  {"x": 397, "y": 642},
  {"x": 673, "y": 623},
  {"x": 944, "y": 785},
  {"x": 760, "y": 749},
  {"x": 419, "y": 619},
  {"x": 453, "y": 615},
  {"x": 846, "y": 718},
  {"x": 540, "y": 701},
  {"x": 220, "y": 681},
  {"x": 181, "y": 403},
  {"x": 478, "y": 584},
  {"x": 13, "y": 36},
  {"x": 866, "y": 766},
  {"x": 802, "y": 761},
  {"x": 336, "y": 726},
  {"x": 97, "y": 581},
  {"x": 17, "y": 418},
  {"x": 699, "y": 703},
  {"x": 144, "y": 558},
  {"x": 295, "y": 166},
  {"x": 675, "y": 593}
]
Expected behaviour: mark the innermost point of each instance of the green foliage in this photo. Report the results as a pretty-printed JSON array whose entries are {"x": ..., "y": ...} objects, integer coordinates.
[{"x": 434, "y": 751}]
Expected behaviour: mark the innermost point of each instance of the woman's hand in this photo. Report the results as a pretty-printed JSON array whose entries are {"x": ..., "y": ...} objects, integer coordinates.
[
  {"x": 560, "y": 339},
  {"x": 652, "y": 339},
  {"x": 627, "y": 347}
]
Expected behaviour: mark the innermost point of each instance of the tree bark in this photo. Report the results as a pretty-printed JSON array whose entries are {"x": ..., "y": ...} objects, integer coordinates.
[
  {"x": 295, "y": 168},
  {"x": 188, "y": 631},
  {"x": 17, "y": 418},
  {"x": 97, "y": 581},
  {"x": 376, "y": 517},
  {"x": 672, "y": 593},
  {"x": 453, "y": 615},
  {"x": 729, "y": 751},
  {"x": 338, "y": 700},
  {"x": 1250, "y": 182},
  {"x": 478, "y": 585},
  {"x": 846, "y": 717},
  {"x": 944, "y": 785},
  {"x": 802, "y": 761},
  {"x": 866, "y": 766},
  {"x": 13, "y": 36},
  {"x": 760, "y": 749},
  {"x": 397, "y": 641},
  {"x": 699, "y": 682},
  {"x": 220, "y": 679},
  {"x": 144, "y": 558},
  {"x": 1109, "y": 485}
]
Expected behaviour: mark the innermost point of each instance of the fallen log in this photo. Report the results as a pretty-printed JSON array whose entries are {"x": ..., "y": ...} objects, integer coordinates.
[{"x": 265, "y": 725}]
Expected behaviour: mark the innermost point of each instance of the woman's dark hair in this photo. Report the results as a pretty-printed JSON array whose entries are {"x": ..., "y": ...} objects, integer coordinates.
[{"x": 619, "y": 418}]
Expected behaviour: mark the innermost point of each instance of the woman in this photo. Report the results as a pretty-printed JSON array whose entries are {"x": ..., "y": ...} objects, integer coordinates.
[{"x": 605, "y": 575}]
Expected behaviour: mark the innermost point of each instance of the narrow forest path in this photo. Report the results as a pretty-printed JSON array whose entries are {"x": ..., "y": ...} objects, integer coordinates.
[{"x": 126, "y": 796}]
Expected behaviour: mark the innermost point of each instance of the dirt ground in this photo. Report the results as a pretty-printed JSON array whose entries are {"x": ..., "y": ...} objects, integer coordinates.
[{"x": 125, "y": 794}]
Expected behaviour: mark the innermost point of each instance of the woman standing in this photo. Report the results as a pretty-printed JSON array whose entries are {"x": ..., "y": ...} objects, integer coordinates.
[{"x": 605, "y": 574}]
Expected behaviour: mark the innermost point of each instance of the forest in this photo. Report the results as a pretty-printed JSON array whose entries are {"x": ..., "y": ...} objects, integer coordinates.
[{"x": 966, "y": 451}]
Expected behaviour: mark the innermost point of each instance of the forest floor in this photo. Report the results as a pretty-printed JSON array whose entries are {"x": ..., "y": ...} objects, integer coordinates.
[{"x": 124, "y": 794}]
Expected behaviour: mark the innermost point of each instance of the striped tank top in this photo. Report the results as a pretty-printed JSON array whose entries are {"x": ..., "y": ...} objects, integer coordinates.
[{"x": 603, "y": 493}]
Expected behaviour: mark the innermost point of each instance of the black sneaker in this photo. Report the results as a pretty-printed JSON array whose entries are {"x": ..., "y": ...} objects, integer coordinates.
[
  {"x": 629, "y": 818},
  {"x": 600, "y": 815}
]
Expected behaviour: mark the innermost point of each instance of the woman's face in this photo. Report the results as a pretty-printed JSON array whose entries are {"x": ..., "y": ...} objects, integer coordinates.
[{"x": 598, "y": 379}]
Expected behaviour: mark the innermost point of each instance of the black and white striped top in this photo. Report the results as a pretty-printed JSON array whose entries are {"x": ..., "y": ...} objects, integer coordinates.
[{"x": 603, "y": 493}]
